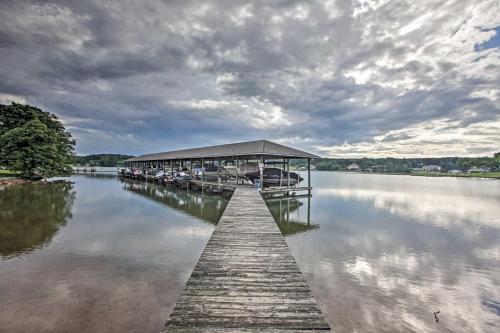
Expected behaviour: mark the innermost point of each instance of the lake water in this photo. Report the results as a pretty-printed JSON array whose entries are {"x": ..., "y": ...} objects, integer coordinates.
[{"x": 381, "y": 253}]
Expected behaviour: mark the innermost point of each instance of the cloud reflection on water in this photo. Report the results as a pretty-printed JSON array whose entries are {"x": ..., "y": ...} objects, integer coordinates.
[
  {"x": 118, "y": 264},
  {"x": 391, "y": 250},
  {"x": 440, "y": 209}
]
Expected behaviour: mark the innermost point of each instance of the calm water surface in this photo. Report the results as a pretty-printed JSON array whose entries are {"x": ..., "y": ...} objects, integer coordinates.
[
  {"x": 381, "y": 253},
  {"x": 98, "y": 255}
]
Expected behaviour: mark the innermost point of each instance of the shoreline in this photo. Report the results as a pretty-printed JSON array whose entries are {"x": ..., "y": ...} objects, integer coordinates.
[
  {"x": 493, "y": 175},
  {"x": 8, "y": 181}
]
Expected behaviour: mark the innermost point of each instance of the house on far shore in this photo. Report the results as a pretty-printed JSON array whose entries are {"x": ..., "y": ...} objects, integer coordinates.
[
  {"x": 454, "y": 171},
  {"x": 353, "y": 167},
  {"x": 476, "y": 169},
  {"x": 432, "y": 168}
]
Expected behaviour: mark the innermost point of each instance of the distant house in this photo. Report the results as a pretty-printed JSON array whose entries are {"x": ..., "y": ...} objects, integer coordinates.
[
  {"x": 477, "y": 170},
  {"x": 454, "y": 171},
  {"x": 353, "y": 167},
  {"x": 432, "y": 168}
]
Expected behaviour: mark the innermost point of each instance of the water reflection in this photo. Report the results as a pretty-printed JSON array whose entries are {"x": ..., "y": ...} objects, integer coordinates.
[
  {"x": 290, "y": 219},
  {"x": 444, "y": 209},
  {"x": 205, "y": 206},
  {"x": 394, "y": 249},
  {"x": 118, "y": 266},
  {"x": 381, "y": 253},
  {"x": 31, "y": 214}
]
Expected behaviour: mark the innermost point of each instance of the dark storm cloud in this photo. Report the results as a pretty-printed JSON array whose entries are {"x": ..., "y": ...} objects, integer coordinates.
[{"x": 135, "y": 76}]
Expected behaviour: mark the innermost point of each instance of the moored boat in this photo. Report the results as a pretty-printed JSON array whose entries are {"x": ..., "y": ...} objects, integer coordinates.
[{"x": 275, "y": 177}]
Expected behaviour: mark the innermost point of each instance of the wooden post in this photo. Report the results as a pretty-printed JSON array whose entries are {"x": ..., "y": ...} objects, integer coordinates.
[
  {"x": 283, "y": 169},
  {"x": 288, "y": 173},
  {"x": 309, "y": 175},
  {"x": 281, "y": 177},
  {"x": 237, "y": 175},
  {"x": 202, "y": 171},
  {"x": 262, "y": 173},
  {"x": 218, "y": 172}
]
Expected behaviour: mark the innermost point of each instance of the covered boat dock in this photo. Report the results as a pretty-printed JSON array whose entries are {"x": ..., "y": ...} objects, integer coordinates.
[
  {"x": 262, "y": 153},
  {"x": 246, "y": 279}
]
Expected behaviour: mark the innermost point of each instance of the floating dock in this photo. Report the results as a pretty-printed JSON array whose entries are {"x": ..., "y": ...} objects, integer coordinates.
[{"x": 246, "y": 279}]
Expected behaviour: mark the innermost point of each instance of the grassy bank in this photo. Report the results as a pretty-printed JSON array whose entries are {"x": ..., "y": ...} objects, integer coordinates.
[
  {"x": 9, "y": 173},
  {"x": 495, "y": 175}
]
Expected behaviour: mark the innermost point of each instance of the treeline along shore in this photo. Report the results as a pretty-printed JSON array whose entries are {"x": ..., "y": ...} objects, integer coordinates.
[
  {"x": 438, "y": 166},
  {"x": 101, "y": 160},
  {"x": 449, "y": 166}
]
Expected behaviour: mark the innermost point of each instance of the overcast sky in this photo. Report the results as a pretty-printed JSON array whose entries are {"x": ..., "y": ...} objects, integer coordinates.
[{"x": 338, "y": 78}]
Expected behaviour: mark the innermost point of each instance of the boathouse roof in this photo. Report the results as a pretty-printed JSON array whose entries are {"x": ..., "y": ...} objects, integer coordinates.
[{"x": 249, "y": 148}]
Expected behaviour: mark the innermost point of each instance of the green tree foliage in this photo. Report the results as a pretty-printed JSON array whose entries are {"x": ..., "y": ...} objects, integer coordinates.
[
  {"x": 34, "y": 142},
  {"x": 405, "y": 165},
  {"x": 102, "y": 160}
]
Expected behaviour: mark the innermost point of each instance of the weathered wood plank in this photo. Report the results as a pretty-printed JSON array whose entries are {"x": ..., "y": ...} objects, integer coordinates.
[{"x": 246, "y": 280}]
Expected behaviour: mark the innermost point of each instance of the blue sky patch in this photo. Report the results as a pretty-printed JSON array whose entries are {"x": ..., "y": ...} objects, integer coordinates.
[{"x": 493, "y": 42}]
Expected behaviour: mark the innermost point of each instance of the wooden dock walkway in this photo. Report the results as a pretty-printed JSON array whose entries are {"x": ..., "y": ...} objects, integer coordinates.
[{"x": 246, "y": 280}]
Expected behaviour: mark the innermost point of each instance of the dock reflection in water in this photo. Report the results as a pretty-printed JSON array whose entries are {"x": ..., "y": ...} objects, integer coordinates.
[
  {"x": 380, "y": 253},
  {"x": 293, "y": 215},
  {"x": 202, "y": 205},
  {"x": 391, "y": 250},
  {"x": 98, "y": 255}
]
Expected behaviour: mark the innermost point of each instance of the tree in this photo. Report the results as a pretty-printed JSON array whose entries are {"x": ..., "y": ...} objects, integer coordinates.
[{"x": 34, "y": 142}]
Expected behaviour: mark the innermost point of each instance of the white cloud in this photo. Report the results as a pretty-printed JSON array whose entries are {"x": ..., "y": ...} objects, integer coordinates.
[
  {"x": 338, "y": 75},
  {"x": 434, "y": 138},
  {"x": 251, "y": 112},
  {"x": 8, "y": 98}
]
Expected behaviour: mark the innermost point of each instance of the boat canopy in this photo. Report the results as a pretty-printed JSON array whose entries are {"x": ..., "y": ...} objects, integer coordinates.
[{"x": 260, "y": 148}]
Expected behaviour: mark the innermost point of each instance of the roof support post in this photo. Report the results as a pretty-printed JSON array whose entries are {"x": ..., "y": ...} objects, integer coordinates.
[
  {"x": 288, "y": 173},
  {"x": 202, "y": 171},
  {"x": 237, "y": 176},
  {"x": 281, "y": 172},
  {"x": 262, "y": 173},
  {"x": 218, "y": 172}
]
